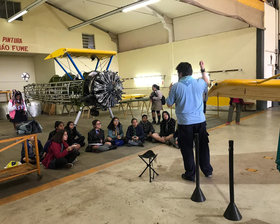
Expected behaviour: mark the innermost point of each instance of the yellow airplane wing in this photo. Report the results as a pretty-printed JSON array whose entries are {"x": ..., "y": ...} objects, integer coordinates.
[
  {"x": 81, "y": 53},
  {"x": 132, "y": 96},
  {"x": 255, "y": 89}
]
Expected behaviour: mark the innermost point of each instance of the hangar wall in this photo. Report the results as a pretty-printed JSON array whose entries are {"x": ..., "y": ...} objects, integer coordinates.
[
  {"x": 42, "y": 31},
  {"x": 11, "y": 69},
  {"x": 228, "y": 50},
  {"x": 43, "y": 69},
  {"x": 185, "y": 27},
  {"x": 204, "y": 23},
  {"x": 147, "y": 36}
]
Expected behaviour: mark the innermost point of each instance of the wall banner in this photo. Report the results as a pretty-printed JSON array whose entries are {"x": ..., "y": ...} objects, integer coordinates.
[{"x": 14, "y": 44}]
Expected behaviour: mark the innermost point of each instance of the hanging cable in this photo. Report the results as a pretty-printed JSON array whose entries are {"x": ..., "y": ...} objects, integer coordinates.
[
  {"x": 69, "y": 66},
  {"x": 84, "y": 64}
]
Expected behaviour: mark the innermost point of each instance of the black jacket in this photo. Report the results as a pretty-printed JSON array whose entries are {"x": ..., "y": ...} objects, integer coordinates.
[
  {"x": 167, "y": 127},
  {"x": 72, "y": 135},
  {"x": 147, "y": 127},
  {"x": 94, "y": 137},
  {"x": 139, "y": 132}
]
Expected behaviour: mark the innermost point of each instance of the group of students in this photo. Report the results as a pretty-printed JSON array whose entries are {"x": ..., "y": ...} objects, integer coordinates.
[
  {"x": 136, "y": 134},
  {"x": 61, "y": 148},
  {"x": 63, "y": 144}
]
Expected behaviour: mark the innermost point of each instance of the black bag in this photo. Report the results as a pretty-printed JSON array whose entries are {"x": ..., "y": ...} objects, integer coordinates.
[
  {"x": 163, "y": 101},
  {"x": 8, "y": 117},
  {"x": 29, "y": 127}
]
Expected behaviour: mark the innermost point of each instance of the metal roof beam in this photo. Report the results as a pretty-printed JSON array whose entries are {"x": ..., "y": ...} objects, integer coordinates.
[
  {"x": 110, "y": 13},
  {"x": 77, "y": 17},
  {"x": 112, "y": 35},
  {"x": 166, "y": 21}
]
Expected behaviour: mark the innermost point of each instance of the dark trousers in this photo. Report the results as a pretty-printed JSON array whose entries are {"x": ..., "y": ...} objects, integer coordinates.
[
  {"x": 80, "y": 140},
  {"x": 61, "y": 162},
  {"x": 185, "y": 141}
]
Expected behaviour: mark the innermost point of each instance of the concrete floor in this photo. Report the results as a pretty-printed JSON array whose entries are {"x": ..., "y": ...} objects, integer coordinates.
[
  {"x": 86, "y": 160},
  {"x": 117, "y": 195}
]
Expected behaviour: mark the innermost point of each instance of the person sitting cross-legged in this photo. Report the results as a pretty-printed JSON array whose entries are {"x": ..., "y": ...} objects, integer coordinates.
[
  {"x": 59, "y": 153},
  {"x": 74, "y": 137},
  {"x": 135, "y": 134},
  {"x": 147, "y": 128},
  {"x": 96, "y": 139},
  {"x": 167, "y": 129},
  {"x": 115, "y": 132}
]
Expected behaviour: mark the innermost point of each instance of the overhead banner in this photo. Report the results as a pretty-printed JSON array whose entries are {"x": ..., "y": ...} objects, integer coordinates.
[{"x": 248, "y": 11}]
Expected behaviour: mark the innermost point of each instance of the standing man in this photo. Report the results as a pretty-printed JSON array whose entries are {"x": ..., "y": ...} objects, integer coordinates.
[{"x": 187, "y": 95}]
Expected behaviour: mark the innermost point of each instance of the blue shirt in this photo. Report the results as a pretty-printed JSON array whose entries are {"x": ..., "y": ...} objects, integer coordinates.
[{"x": 187, "y": 96}]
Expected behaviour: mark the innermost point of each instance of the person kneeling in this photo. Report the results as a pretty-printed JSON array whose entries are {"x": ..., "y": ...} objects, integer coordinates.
[
  {"x": 167, "y": 129},
  {"x": 135, "y": 134},
  {"x": 96, "y": 139},
  {"x": 59, "y": 153}
]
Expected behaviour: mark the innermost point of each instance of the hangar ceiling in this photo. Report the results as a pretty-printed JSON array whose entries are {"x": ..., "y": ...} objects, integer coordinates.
[{"x": 123, "y": 22}]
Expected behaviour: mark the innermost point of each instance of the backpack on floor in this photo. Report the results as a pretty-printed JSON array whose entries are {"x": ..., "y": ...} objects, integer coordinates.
[{"x": 29, "y": 127}]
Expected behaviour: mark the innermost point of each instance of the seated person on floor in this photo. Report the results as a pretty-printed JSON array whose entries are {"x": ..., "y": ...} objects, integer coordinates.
[
  {"x": 60, "y": 154},
  {"x": 147, "y": 128},
  {"x": 135, "y": 134},
  {"x": 167, "y": 129},
  {"x": 96, "y": 139},
  {"x": 115, "y": 132},
  {"x": 74, "y": 136},
  {"x": 174, "y": 141},
  {"x": 31, "y": 151},
  {"x": 58, "y": 125}
]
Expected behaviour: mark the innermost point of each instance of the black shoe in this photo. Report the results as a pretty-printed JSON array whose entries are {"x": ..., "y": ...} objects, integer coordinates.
[
  {"x": 168, "y": 143},
  {"x": 185, "y": 177},
  {"x": 141, "y": 144},
  {"x": 88, "y": 149},
  {"x": 158, "y": 123},
  {"x": 154, "y": 122},
  {"x": 113, "y": 147},
  {"x": 208, "y": 175}
]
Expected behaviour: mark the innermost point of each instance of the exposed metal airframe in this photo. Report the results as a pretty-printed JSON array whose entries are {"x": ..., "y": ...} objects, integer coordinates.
[{"x": 101, "y": 89}]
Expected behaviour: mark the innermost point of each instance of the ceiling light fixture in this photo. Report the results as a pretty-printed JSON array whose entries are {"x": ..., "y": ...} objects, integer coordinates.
[
  {"x": 25, "y": 10},
  {"x": 138, "y": 5},
  {"x": 19, "y": 14},
  {"x": 127, "y": 8}
]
